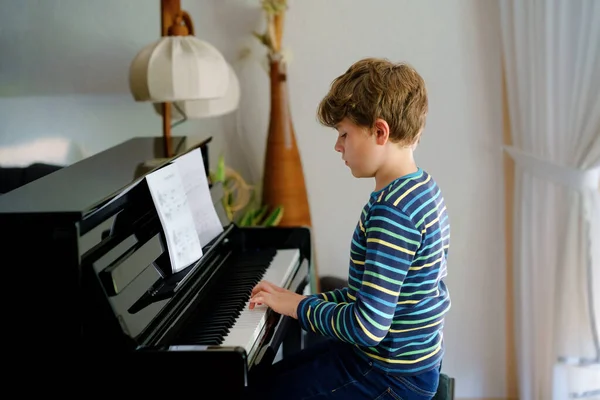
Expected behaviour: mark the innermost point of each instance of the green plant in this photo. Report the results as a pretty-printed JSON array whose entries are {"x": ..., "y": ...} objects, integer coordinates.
[
  {"x": 261, "y": 216},
  {"x": 240, "y": 200}
]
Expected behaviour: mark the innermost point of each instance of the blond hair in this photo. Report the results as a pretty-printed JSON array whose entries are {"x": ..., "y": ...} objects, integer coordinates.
[{"x": 375, "y": 88}]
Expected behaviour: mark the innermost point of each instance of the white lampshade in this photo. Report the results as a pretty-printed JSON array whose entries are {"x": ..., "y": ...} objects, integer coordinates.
[
  {"x": 178, "y": 68},
  {"x": 196, "y": 109}
]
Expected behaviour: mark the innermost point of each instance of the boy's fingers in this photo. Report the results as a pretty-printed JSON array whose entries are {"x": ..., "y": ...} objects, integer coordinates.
[
  {"x": 259, "y": 299},
  {"x": 254, "y": 303},
  {"x": 263, "y": 286}
]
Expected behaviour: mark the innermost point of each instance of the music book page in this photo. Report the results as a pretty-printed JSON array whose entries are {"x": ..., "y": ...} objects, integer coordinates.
[
  {"x": 171, "y": 202},
  {"x": 207, "y": 222}
]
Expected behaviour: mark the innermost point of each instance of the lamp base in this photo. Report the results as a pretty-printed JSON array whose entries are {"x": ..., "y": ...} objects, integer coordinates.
[{"x": 178, "y": 143}]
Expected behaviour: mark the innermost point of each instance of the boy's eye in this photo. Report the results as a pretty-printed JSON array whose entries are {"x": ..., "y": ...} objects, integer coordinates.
[{"x": 343, "y": 135}]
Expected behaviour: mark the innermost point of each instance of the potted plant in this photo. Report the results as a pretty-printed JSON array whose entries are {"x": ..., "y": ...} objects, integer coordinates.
[{"x": 241, "y": 201}]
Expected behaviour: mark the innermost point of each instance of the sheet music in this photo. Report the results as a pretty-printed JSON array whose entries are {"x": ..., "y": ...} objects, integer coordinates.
[
  {"x": 207, "y": 222},
  {"x": 171, "y": 202}
]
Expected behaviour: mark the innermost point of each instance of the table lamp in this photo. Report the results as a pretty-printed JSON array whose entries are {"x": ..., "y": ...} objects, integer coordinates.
[{"x": 181, "y": 70}]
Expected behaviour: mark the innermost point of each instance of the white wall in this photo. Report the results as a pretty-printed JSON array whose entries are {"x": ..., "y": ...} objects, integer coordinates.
[{"x": 63, "y": 73}]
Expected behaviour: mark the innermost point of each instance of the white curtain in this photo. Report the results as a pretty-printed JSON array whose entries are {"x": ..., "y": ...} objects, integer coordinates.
[{"x": 551, "y": 52}]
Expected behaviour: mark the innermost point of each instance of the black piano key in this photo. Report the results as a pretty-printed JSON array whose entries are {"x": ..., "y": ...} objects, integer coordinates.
[{"x": 212, "y": 334}]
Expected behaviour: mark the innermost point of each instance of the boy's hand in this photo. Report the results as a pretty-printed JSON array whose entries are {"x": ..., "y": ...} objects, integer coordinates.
[
  {"x": 280, "y": 300},
  {"x": 266, "y": 286}
]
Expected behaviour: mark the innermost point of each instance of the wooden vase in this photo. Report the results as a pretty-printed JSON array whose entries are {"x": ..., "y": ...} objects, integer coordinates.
[{"x": 283, "y": 179}]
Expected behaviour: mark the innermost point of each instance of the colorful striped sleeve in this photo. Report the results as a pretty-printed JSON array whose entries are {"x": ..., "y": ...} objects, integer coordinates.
[
  {"x": 335, "y": 296},
  {"x": 391, "y": 243}
]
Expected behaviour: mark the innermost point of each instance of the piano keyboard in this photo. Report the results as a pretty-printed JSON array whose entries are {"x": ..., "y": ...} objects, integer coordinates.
[{"x": 228, "y": 321}]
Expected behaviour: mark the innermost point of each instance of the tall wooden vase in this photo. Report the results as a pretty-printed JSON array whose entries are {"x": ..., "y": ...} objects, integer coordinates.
[{"x": 283, "y": 179}]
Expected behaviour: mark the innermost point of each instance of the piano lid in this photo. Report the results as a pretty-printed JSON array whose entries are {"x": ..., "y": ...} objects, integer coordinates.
[{"x": 80, "y": 187}]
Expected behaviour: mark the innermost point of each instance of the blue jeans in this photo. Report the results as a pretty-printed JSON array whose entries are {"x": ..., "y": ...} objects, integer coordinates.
[{"x": 332, "y": 370}]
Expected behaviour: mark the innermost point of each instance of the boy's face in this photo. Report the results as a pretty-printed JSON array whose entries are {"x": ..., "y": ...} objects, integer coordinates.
[{"x": 361, "y": 149}]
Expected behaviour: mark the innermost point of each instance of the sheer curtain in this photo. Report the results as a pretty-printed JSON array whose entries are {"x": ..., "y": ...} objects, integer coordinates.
[{"x": 551, "y": 53}]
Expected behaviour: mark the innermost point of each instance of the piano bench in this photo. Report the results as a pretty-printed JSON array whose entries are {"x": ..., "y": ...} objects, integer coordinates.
[{"x": 445, "y": 389}]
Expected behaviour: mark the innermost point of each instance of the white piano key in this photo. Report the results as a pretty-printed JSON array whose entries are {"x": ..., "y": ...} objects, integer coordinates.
[
  {"x": 282, "y": 266},
  {"x": 248, "y": 326}
]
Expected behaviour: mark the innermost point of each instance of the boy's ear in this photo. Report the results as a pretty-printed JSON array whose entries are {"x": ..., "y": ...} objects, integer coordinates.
[{"x": 382, "y": 131}]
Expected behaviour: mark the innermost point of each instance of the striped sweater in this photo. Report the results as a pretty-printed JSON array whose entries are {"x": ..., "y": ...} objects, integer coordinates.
[{"x": 394, "y": 306}]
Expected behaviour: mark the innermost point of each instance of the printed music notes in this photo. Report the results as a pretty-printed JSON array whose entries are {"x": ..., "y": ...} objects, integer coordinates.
[
  {"x": 206, "y": 220},
  {"x": 182, "y": 199},
  {"x": 171, "y": 202}
]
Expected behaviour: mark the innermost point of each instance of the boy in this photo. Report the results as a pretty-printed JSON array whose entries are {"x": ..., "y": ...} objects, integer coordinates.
[{"x": 386, "y": 326}]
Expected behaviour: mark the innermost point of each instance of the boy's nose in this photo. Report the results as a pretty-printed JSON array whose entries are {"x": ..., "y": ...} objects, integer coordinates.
[{"x": 338, "y": 147}]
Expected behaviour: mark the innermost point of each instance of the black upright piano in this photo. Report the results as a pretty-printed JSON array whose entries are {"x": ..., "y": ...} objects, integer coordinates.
[{"x": 86, "y": 273}]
